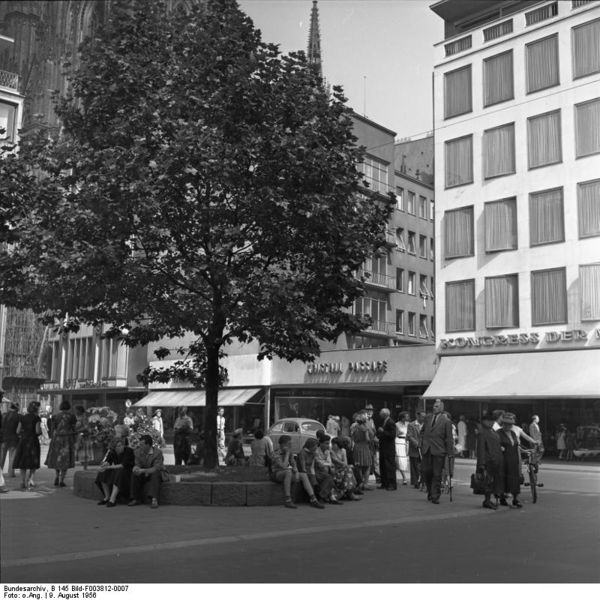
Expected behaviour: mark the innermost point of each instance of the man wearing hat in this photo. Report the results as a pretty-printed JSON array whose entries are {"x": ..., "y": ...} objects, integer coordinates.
[
  {"x": 490, "y": 460},
  {"x": 437, "y": 442},
  {"x": 375, "y": 445},
  {"x": 511, "y": 452},
  {"x": 10, "y": 439}
]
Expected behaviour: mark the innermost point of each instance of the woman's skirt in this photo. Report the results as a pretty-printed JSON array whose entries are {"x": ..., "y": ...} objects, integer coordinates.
[
  {"x": 362, "y": 454},
  {"x": 402, "y": 454}
]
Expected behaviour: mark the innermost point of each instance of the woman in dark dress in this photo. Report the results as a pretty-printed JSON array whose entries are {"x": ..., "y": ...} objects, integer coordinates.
[
  {"x": 490, "y": 460},
  {"x": 27, "y": 455},
  {"x": 182, "y": 446},
  {"x": 511, "y": 470},
  {"x": 115, "y": 472},
  {"x": 61, "y": 454}
]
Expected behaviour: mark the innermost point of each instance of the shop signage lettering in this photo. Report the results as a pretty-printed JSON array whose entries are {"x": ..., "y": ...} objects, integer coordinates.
[
  {"x": 514, "y": 339},
  {"x": 84, "y": 384},
  {"x": 363, "y": 366}
]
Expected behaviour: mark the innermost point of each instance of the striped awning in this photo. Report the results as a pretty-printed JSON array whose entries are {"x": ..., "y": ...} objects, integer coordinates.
[{"x": 168, "y": 398}]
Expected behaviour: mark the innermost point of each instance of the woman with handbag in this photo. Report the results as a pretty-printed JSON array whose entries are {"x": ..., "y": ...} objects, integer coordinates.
[{"x": 489, "y": 462}]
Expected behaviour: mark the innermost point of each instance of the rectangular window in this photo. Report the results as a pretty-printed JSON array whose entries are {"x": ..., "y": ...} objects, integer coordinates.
[
  {"x": 399, "y": 321},
  {"x": 374, "y": 306},
  {"x": 8, "y": 113},
  {"x": 460, "y": 305},
  {"x": 542, "y": 64},
  {"x": 457, "y": 92},
  {"x": 459, "y": 161},
  {"x": 587, "y": 128},
  {"x": 546, "y": 223},
  {"x": 376, "y": 174},
  {"x": 423, "y": 207},
  {"x": 548, "y": 297},
  {"x": 56, "y": 360},
  {"x": 412, "y": 283},
  {"x": 412, "y": 247},
  {"x": 589, "y": 282},
  {"x": 459, "y": 238},
  {"x": 400, "y": 280},
  {"x": 424, "y": 287},
  {"x": 432, "y": 326},
  {"x": 423, "y": 331},
  {"x": 544, "y": 140},
  {"x": 500, "y": 225},
  {"x": 400, "y": 239},
  {"x": 431, "y": 210},
  {"x": 400, "y": 198},
  {"x": 423, "y": 246},
  {"x": 588, "y": 205},
  {"x": 499, "y": 151},
  {"x": 586, "y": 49},
  {"x": 432, "y": 287},
  {"x": 410, "y": 203},
  {"x": 431, "y": 249},
  {"x": 498, "y": 78},
  {"x": 412, "y": 323},
  {"x": 502, "y": 301}
]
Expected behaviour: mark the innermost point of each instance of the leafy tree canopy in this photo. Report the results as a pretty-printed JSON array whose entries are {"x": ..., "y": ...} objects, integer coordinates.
[{"x": 202, "y": 182}]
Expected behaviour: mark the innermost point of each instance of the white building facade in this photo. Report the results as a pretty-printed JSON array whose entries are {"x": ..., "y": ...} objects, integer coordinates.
[{"x": 517, "y": 224}]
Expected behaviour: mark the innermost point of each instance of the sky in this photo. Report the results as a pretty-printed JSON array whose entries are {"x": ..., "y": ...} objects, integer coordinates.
[{"x": 388, "y": 42}]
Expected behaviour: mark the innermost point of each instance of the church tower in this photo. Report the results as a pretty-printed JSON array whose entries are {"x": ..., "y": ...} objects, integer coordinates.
[{"x": 314, "y": 39}]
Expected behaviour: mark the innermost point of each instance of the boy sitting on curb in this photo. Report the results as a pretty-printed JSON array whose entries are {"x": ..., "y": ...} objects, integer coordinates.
[{"x": 283, "y": 469}]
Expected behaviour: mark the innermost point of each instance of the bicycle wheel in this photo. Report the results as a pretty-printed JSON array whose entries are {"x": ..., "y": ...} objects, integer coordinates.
[{"x": 532, "y": 482}]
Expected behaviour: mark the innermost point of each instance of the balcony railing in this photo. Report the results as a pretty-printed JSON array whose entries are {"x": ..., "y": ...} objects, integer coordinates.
[
  {"x": 458, "y": 45},
  {"x": 541, "y": 14},
  {"x": 492, "y": 33},
  {"x": 9, "y": 80},
  {"x": 578, "y": 3},
  {"x": 381, "y": 327},
  {"x": 377, "y": 279}
]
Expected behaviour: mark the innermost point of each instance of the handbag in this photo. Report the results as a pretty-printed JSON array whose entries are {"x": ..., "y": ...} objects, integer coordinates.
[
  {"x": 164, "y": 475},
  {"x": 478, "y": 482}
]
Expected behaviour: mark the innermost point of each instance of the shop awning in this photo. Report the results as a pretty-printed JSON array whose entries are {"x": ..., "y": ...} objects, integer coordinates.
[
  {"x": 167, "y": 398},
  {"x": 560, "y": 374}
]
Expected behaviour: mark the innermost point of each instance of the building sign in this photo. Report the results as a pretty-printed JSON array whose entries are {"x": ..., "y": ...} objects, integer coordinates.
[
  {"x": 517, "y": 339},
  {"x": 78, "y": 384},
  {"x": 363, "y": 366}
]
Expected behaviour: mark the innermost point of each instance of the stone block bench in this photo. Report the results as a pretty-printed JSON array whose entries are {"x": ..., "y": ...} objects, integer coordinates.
[{"x": 193, "y": 486}]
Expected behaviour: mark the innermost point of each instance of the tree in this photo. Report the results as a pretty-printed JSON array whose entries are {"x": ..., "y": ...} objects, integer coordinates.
[{"x": 202, "y": 182}]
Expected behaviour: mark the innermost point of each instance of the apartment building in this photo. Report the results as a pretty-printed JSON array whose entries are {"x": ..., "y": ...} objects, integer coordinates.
[{"x": 517, "y": 224}]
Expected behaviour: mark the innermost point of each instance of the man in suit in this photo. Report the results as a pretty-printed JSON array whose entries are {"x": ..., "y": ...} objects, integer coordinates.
[
  {"x": 387, "y": 451},
  {"x": 414, "y": 452},
  {"x": 437, "y": 442}
]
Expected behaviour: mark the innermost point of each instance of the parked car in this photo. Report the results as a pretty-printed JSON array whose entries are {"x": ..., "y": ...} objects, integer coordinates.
[{"x": 297, "y": 428}]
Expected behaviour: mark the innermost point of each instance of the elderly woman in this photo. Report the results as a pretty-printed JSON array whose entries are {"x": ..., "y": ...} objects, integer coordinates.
[
  {"x": 27, "y": 454},
  {"x": 61, "y": 454},
  {"x": 343, "y": 476},
  {"x": 511, "y": 470},
  {"x": 115, "y": 472},
  {"x": 490, "y": 460},
  {"x": 362, "y": 439}
]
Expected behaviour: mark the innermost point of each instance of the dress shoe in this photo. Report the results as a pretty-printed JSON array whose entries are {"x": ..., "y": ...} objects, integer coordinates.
[
  {"x": 289, "y": 504},
  {"x": 316, "y": 504},
  {"x": 110, "y": 504},
  {"x": 358, "y": 492},
  {"x": 517, "y": 504},
  {"x": 133, "y": 503},
  {"x": 435, "y": 501},
  {"x": 488, "y": 504},
  {"x": 102, "y": 502},
  {"x": 352, "y": 496},
  {"x": 503, "y": 502},
  {"x": 381, "y": 487},
  {"x": 391, "y": 489},
  {"x": 154, "y": 503},
  {"x": 335, "y": 501},
  {"x": 56, "y": 482},
  {"x": 62, "y": 484}
]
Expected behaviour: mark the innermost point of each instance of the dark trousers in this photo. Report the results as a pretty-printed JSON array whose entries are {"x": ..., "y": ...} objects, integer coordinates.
[
  {"x": 150, "y": 482},
  {"x": 415, "y": 470},
  {"x": 431, "y": 469},
  {"x": 387, "y": 469}
]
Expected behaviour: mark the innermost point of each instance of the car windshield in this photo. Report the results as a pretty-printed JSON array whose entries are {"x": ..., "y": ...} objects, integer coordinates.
[
  {"x": 312, "y": 427},
  {"x": 277, "y": 427}
]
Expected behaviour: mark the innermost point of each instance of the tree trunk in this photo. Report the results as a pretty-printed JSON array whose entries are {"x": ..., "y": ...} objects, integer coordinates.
[{"x": 212, "y": 398}]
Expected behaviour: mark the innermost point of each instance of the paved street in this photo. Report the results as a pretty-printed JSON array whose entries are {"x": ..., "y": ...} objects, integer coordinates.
[{"x": 396, "y": 537}]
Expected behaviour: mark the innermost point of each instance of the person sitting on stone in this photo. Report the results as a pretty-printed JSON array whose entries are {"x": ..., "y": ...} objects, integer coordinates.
[
  {"x": 149, "y": 463},
  {"x": 114, "y": 476},
  {"x": 235, "y": 450},
  {"x": 284, "y": 470},
  {"x": 324, "y": 473},
  {"x": 343, "y": 475}
]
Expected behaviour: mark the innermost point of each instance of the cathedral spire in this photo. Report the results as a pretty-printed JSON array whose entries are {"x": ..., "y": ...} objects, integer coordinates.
[{"x": 314, "y": 39}]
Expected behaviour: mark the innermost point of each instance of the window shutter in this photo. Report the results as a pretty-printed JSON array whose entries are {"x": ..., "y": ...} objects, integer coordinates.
[
  {"x": 499, "y": 151},
  {"x": 588, "y": 201},
  {"x": 542, "y": 64},
  {"x": 498, "y": 79},
  {"x": 546, "y": 217},
  {"x": 457, "y": 92},
  {"x": 586, "y": 49},
  {"x": 543, "y": 139}
]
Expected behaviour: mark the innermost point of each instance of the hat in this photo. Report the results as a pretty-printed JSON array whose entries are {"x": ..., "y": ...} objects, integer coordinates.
[
  {"x": 369, "y": 407},
  {"x": 508, "y": 418}
]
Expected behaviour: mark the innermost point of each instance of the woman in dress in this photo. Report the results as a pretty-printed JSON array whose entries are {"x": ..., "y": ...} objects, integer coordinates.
[
  {"x": 402, "y": 446},
  {"x": 511, "y": 468},
  {"x": 115, "y": 472},
  {"x": 261, "y": 449},
  {"x": 362, "y": 438},
  {"x": 182, "y": 429},
  {"x": 343, "y": 477},
  {"x": 27, "y": 455},
  {"x": 235, "y": 451},
  {"x": 61, "y": 454}
]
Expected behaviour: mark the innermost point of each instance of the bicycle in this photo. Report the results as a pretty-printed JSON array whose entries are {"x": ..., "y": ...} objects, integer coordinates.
[{"x": 530, "y": 460}]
